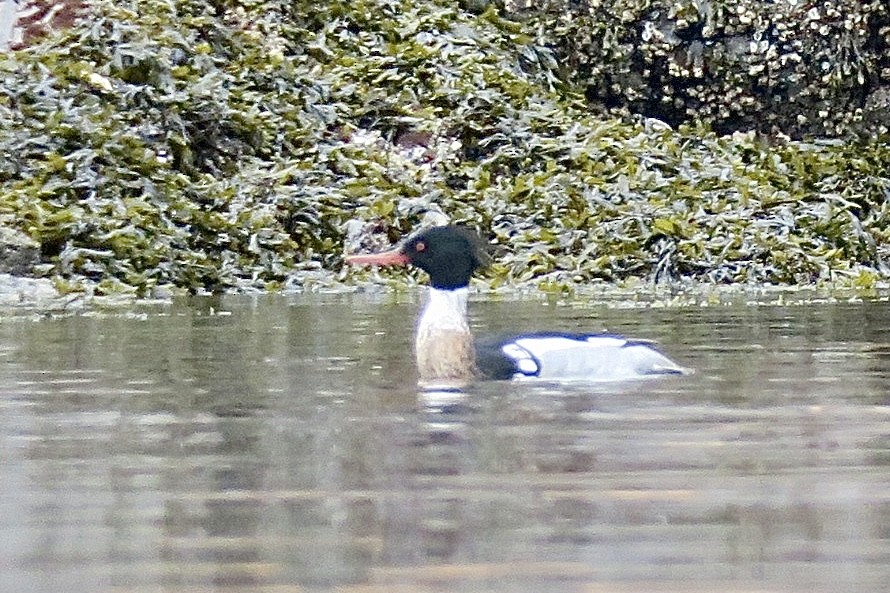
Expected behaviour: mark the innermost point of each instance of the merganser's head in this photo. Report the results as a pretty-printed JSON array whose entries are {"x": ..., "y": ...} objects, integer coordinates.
[{"x": 449, "y": 254}]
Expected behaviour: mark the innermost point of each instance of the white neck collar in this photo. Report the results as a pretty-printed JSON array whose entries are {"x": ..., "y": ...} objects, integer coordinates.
[
  {"x": 444, "y": 344},
  {"x": 445, "y": 310}
]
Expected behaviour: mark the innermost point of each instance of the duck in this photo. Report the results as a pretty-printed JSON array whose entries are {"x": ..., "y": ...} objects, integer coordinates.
[{"x": 447, "y": 354}]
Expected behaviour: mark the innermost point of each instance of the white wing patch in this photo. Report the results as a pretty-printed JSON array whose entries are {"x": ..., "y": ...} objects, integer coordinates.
[
  {"x": 594, "y": 358},
  {"x": 525, "y": 362}
]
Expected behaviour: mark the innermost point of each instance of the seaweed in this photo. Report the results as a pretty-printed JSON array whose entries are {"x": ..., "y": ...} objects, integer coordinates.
[{"x": 245, "y": 146}]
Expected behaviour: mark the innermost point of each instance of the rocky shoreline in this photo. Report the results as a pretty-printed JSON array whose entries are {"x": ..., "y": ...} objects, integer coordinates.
[{"x": 215, "y": 149}]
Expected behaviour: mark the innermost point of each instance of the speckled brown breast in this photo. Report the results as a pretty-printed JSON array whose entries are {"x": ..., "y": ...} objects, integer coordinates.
[{"x": 445, "y": 355}]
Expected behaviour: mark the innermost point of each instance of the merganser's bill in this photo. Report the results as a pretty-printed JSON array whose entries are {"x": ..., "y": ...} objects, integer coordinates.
[{"x": 445, "y": 349}]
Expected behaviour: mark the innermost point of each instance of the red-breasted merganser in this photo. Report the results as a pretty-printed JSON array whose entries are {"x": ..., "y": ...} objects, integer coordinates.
[{"x": 445, "y": 350}]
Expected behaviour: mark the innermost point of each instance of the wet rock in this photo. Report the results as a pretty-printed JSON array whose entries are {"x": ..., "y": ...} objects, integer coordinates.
[
  {"x": 30, "y": 292},
  {"x": 18, "y": 252},
  {"x": 8, "y": 10}
]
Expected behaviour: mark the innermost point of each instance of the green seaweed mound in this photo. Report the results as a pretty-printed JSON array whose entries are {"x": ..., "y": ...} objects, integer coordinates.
[{"x": 226, "y": 146}]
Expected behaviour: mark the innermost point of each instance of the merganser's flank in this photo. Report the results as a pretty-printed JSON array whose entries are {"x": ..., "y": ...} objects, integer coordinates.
[{"x": 444, "y": 346}]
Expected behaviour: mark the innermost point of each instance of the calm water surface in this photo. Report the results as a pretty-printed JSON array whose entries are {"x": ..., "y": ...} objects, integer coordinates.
[{"x": 279, "y": 444}]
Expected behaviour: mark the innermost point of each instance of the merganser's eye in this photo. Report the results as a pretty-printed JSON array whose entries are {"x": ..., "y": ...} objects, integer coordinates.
[{"x": 420, "y": 246}]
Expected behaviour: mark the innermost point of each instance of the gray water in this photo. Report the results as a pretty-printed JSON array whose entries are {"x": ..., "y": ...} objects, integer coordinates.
[{"x": 280, "y": 444}]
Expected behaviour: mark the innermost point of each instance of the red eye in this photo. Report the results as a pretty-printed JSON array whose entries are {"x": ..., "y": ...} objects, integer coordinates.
[{"x": 420, "y": 246}]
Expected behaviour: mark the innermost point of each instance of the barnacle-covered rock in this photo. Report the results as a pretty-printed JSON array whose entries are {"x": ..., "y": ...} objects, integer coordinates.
[{"x": 796, "y": 68}]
